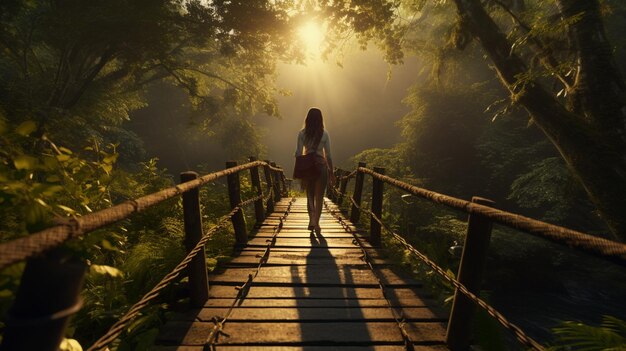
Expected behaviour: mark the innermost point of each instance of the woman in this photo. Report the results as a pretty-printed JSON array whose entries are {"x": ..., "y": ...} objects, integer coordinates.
[{"x": 313, "y": 138}]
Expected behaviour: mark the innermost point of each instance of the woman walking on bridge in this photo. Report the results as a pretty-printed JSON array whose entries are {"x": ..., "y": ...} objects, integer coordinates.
[{"x": 314, "y": 139}]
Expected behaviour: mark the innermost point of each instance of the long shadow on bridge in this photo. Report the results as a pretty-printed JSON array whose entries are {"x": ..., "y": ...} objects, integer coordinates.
[{"x": 329, "y": 313}]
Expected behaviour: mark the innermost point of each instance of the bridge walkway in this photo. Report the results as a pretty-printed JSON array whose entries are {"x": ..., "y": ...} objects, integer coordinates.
[{"x": 314, "y": 292}]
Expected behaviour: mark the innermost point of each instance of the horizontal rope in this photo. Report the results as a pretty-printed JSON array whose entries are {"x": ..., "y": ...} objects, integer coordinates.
[
  {"x": 36, "y": 243},
  {"x": 604, "y": 248},
  {"x": 347, "y": 176},
  {"x": 276, "y": 169},
  {"x": 517, "y": 331},
  {"x": 117, "y": 328}
]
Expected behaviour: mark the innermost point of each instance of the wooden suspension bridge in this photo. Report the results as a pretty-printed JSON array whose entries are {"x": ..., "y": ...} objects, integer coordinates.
[{"x": 288, "y": 288}]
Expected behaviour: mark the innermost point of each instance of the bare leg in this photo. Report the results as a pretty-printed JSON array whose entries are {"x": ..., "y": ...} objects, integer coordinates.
[
  {"x": 320, "y": 186},
  {"x": 310, "y": 202}
]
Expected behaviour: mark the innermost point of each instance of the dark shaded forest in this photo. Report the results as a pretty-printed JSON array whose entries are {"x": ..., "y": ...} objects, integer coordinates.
[{"x": 519, "y": 101}]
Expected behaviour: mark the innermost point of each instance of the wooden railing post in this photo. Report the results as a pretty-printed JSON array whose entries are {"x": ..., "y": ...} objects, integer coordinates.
[
  {"x": 197, "y": 272},
  {"x": 377, "y": 208},
  {"x": 283, "y": 182},
  {"x": 470, "y": 274},
  {"x": 49, "y": 293},
  {"x": 259, "y": 211},
  {"x": 329, "y": 189},
  {"x": 342, "y": 187},
  {"x": 234, "y": 194},
  {"x": 270, "y": 186},
  {"x": 276, "y": 183},
  {"x": 355, "y": 213}
]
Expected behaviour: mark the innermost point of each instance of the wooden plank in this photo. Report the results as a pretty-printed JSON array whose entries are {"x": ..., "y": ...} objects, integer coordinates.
[
  {"x": 300, "y": 313},
  {"x": 330, "y": 274},
  {"x": 307, "y": 242},
  {"x": 408, "y": 296},
  {"x": 276, "y": 333},
  {"x": 242, "y": 333},
  {"x": 319, "y": 303}
]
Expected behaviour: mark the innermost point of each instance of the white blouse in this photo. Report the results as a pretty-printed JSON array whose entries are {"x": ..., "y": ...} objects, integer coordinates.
[{"x": 323, "y": 149}]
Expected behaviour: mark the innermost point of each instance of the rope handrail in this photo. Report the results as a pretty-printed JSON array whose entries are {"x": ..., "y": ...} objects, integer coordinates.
[
  {"x": 348, "y": 176},
  {"x": 517, "y": 331},
  {"x": 22, "y": 248},
  {"x": 603, "y": 248},
  {"x": 117, "y": 328}
]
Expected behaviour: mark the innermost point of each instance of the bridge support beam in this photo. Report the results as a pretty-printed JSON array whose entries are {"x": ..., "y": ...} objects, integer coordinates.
[
  {"x": 234, "y": 195},
  {"x": 259, "y": 210},
  {"x": 197, "y": 272},
  {"x": 377, "y": 208},
  {"x": 355, "y": 212},
  {"x": 458, "y": 336}
]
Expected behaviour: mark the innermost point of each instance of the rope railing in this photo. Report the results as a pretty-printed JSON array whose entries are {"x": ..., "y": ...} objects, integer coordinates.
[
  {"x": 483, "y": 214},
  {"x": 22, "y": 248},
  {"x": 117, "y": 328},
  {"x": 604, "y": 248},
  {"x": 517, "y": 331},
  {"x": 29, "y": 248}
]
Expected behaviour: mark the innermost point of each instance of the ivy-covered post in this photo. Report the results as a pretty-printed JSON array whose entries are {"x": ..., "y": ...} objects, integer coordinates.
[
  {"x": 197, "y": 271},
  {"x": 234, "y": 195},
  {"x": 470, "y": 275}
]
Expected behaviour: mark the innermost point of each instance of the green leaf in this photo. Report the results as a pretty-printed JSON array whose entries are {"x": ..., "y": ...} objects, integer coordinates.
[
  {"x": 63, "y": 157},
  {"x": 25, "y": 162},
  {"x": 110, "y": 159},
  {"x": 65, "y": 150},
  {"x": 26, "y": 128},
  {"x": 107, "y": 168},
  {"x": 107, "y": 245},
  {"x": 66, "y": 209},
  {"x": 106, "y": 270}
]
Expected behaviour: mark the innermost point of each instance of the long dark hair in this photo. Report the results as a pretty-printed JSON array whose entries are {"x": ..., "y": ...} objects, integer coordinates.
[{"x": 313, "y": 126}]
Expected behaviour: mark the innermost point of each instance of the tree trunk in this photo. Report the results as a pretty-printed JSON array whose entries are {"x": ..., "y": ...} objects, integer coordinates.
[{"x": 595, "y": 155}]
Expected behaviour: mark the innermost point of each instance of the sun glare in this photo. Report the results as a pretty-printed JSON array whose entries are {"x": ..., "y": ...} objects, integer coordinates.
[{"x": 312, "y": 36}]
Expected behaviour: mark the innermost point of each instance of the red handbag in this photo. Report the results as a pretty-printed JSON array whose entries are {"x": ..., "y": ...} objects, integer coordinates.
[{"x": 306, "y": 166}]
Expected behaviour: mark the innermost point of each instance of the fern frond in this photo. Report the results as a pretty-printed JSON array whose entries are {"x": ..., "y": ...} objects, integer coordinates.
[{"x": 582, "y": 337}]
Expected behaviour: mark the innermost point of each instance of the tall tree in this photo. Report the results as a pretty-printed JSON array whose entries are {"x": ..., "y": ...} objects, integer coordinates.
[
  {"x": 587, "y": 126},
  {"x": 557, "y": 62}
]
